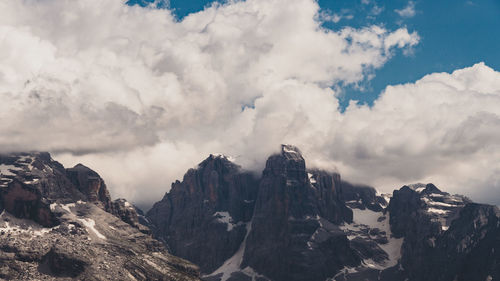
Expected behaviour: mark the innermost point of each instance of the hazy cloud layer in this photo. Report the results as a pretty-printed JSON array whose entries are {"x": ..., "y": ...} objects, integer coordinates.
[{"x": 141, "y": 97}]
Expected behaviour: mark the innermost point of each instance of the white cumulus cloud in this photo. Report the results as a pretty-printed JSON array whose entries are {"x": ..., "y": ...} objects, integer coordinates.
[{"x": 141, "y": 97}]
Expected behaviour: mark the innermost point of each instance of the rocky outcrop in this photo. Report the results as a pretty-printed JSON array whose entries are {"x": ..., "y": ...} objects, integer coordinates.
[
  {"x": 36, "y": 175},
  {"x": 204, "y": 218},
  {"x": 88, "y": 244},
  {"x": 39, "y": 171},
  {"x": 446, "y": 237},
  {"x": 362, "y": 196},
  {"x": 59, "y": 262},
  {"x": 54, "y": 224},
  {"x": 25, "y": 201},
  {"x": 91, "y": 185},
  {"x": 131, "y": 215},
  {"x": 29, "y": 182}
]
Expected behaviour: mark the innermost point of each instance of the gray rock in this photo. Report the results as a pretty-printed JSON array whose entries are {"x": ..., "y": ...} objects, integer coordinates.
[
  {"x": 204, "y": 218},
  {"x": 59, "y": 224}
]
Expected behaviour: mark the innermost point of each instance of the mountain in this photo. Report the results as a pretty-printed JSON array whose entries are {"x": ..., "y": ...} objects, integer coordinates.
[
  {"x": 61, "y": 223},
  {"x": 295, "y": 223},
  {"x": 289, "y": 223},
  {"x": 205, "y": 217}
]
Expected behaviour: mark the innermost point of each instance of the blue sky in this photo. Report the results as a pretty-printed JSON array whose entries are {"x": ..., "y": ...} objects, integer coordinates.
[{"x": 453, "y": 34}]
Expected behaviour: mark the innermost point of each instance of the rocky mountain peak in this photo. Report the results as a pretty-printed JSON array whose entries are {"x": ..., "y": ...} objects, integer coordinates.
[
  {"x": 424, "y": 188},
  {"x": 436, "y": 227},
  {"x": 291, "y": 152},
  {"x": 289, "y": 164},
  {"x": 204, "y": 218},
  {"x": 216, "y": 160},
  {"x": 130, "y": 214},
  {"x": 61, "y": 223},
  {"x": 91, "y": 185}
]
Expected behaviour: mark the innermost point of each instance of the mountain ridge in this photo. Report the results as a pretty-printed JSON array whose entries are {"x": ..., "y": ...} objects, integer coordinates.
[
  {"x": 308, "y": 224},
  {"x": 59, "y": 223},
  {"x": 290, "y": 223}
]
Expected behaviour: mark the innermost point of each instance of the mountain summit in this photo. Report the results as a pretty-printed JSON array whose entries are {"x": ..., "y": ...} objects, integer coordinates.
[
  {"x": 291, "y": 223},
  {"x": 295, "y": 223}
]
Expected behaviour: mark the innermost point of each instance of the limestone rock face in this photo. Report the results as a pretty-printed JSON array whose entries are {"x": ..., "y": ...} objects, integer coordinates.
[
  {"x": 293, "y": 236},
  {"x": 295, "y": 223},
  {"x": 204, "y": 218},
  {"x": 57, "y": 223},
  {"x": 131, "y": 215},
  {"x": 283, "y": 226},
  {"x": 91, "y": 185},
  {"x": 446, "y": 237},
  {"x": 362, "y": 196}
]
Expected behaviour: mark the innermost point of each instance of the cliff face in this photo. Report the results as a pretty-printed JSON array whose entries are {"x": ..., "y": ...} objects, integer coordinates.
[
  {"x": 91, "y": 185},
  {"x": 204, "y": 218},
  {"x": 446, "y": 237},
  {"x": 283, "y": 226},
  {"x": 60, "y": 223},
  {"x": 292, "y": 236},
  {"x": 296, "y": 223}
]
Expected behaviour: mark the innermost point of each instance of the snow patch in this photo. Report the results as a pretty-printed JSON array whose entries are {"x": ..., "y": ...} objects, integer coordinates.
[
  {"x": 220, "y": 155},
  {"x": 225, "y": 217},
  {"x": 252, "y": 273},
  {"x": 128, "y": 205},
  {"x": 31, "y": 181},
  {"x": 441, "y": 204},
  {"x": 370, "y": 219},
  {"x": 311, "y": 179},
  {"x": 420, "y": 189},
  {"x": 366, "y": 217},
  {"x": 233, "y": 264},
  {"x": 437, "y": 211},
  {"x": 287, "y": 149},
  {"x": 90, "y": 224},
  {"x": 32, "y": 231},
  {"x": 5, "y": 170},
  {"x": 387, "y": 197},
  {"x": 313, "y": 236}
]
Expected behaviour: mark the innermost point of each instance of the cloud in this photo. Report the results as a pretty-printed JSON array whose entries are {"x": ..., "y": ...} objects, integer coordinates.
[
  {"x": 443, "y": 129},
  {"x": 408, "y": 11},
  {"x": 327, "y": 16},
  {"x": 376, "y": 10},
  {"x": 141, "y": 97}
]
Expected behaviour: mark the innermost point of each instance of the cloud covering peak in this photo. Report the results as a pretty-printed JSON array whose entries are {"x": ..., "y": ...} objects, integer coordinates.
[{"x": 145, "y": 96}]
